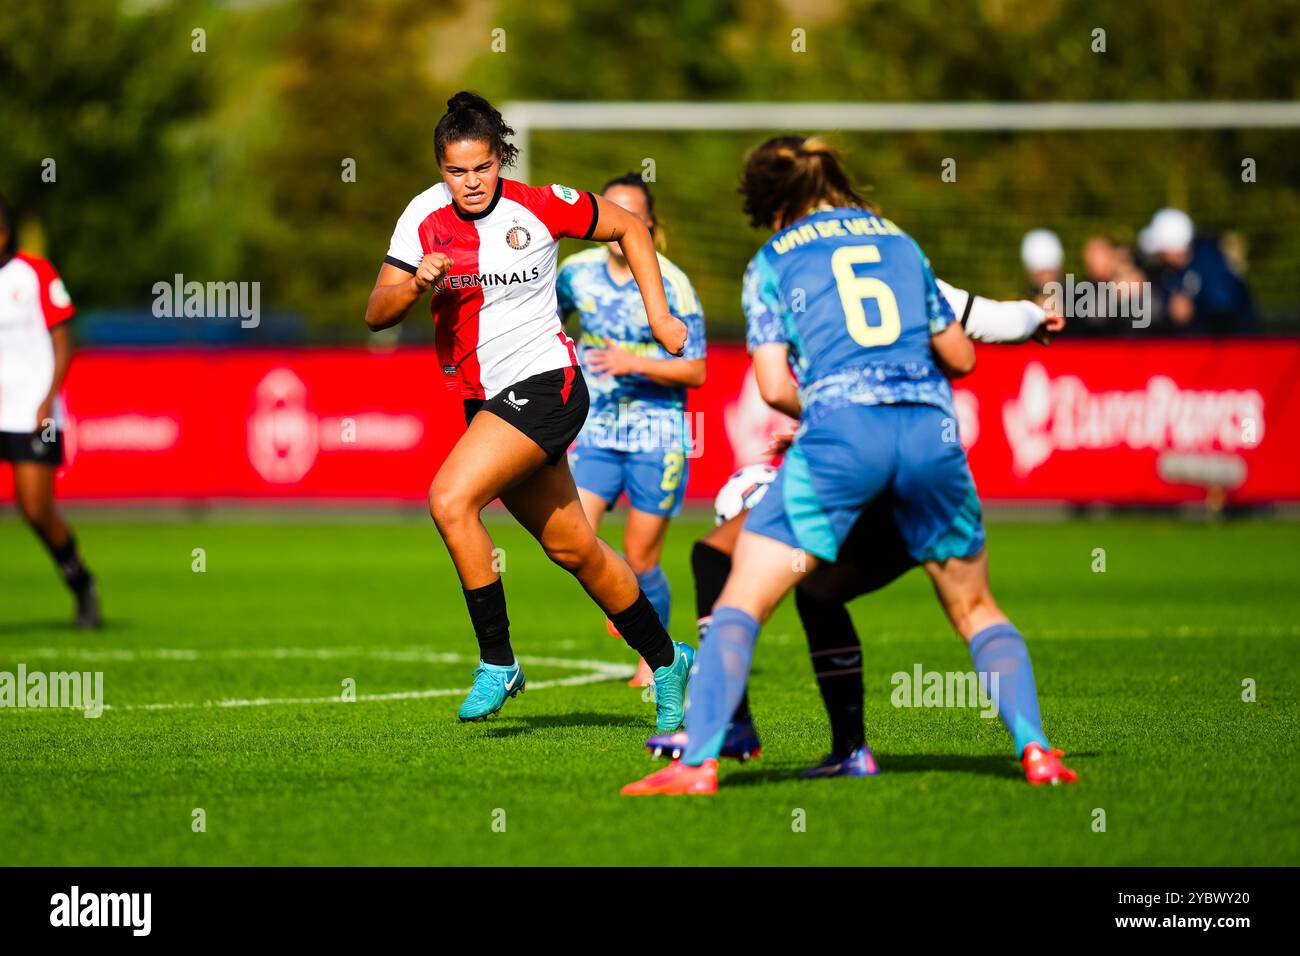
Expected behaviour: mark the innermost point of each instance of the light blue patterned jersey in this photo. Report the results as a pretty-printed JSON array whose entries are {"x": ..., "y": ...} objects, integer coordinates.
[
  {"x": 855, "y": 300},
  {"x": 628, "y": 412}
]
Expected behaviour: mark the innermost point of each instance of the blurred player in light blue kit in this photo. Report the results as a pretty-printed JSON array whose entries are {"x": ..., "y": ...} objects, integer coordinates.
[
  {"x": 636, "y": 440},
  {"x": 847, "y": 301}
]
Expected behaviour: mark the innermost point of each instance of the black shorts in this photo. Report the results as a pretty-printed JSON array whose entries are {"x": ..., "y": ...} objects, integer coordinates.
[
  {"x": 31, "y": 446},
  {"x": 550, "y": 408},
  {"x": 873, "y": 555}
]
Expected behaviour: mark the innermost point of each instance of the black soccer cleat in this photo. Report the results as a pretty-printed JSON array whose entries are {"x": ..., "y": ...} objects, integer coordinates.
[{"x": 88, "y": 615}]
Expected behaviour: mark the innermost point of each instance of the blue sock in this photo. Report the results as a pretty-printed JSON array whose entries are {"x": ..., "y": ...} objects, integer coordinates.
[
  {"x": 1001, "y": 650},
  {"x": 655, "y": 585},
  {"x": 721, "y": 672}
]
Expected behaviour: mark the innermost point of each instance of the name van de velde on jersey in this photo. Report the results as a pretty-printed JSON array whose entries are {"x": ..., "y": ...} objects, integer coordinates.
[{"x": 487, "y": 280}]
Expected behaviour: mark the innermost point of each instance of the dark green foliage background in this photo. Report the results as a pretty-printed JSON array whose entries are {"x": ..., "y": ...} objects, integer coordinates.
[{"x": 226, "y": 164}]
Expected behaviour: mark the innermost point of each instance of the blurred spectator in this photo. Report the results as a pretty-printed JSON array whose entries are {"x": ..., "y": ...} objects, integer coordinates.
[
  {"x": 1200, "y": 292},
  {"x": 1107, "y": 261},
  {"x": 1234, "y": 248},
  {"x": 1041, "y": 254}
]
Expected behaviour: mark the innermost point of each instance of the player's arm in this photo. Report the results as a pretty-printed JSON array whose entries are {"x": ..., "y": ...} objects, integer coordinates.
[
  {"x": 688, "y": 371},
  {"x": 396, "y": 290},
  {"x": 674, "y": 371},
  {"x": 953, "y": 351},
  {"x": 775, "y": 383},
  {"x": 988, "y": 320},
  {"x": 61, "y": 339},
  {"x": 565, "y": 300},
  {"x": 616, "y": 224},
  {"x": 766, "y": 337}
]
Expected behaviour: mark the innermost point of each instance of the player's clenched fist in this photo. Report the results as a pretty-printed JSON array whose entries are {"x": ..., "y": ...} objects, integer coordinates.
[
  {"x": 433, "y": 267},
  {"x": 670, "y": 332},
  {"x": 1051, "y": 326}
]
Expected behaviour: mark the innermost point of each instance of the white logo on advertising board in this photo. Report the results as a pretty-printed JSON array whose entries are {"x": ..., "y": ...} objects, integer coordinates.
[{"x": 282, "y": 433}]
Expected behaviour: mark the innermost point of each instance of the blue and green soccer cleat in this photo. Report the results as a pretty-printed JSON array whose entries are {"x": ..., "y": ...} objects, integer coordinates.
[
  {"x": 670, "y": 688},
  {"x": 740, "y": 743},
  {"x": 860, "y": 763},
  {"x": 493, "y": 683}
]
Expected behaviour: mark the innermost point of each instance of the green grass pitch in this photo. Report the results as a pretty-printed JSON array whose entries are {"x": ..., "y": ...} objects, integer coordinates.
[{"x": 1140, "y": 671}]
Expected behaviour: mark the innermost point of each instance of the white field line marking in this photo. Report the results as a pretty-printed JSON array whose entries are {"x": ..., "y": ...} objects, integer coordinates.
[
  {"x": 599, "y": 670},
  {"x": 1083, "y": 632},
  {"x": 395, "y": 695},
  {"x": 416, "y": 655}
]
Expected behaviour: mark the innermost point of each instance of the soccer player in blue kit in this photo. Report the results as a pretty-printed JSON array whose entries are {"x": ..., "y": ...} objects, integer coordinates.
[
  {"x": 635, "y": 441},
  {"x": 849, "y": 301}
]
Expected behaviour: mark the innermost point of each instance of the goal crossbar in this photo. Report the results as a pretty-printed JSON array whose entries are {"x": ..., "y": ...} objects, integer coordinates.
[{"x": 529, "y": 115}]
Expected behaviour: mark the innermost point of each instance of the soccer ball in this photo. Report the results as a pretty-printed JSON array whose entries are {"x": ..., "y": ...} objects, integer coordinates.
[{"x": 742, "y": 491}]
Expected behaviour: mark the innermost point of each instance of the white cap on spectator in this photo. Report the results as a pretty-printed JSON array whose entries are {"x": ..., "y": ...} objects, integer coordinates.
[
  {"x": 1146, "y": 241},
  {"x": 1171, "y": 230},
  {"x": 1041, "y": 250}
]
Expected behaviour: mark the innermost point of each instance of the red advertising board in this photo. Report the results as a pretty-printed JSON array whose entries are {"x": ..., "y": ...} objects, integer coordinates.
[{"x": 1117, "y": 421}]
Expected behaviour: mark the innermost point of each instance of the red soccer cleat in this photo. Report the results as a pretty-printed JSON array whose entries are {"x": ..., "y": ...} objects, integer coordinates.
[
  {"x": 643, "y": 677},
  {"x": 677, "y": 779},
  {"x": 1044, "y": 766}
]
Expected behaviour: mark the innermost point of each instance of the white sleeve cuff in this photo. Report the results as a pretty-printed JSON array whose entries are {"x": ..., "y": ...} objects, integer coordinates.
[{"x": 991, "y": 321}]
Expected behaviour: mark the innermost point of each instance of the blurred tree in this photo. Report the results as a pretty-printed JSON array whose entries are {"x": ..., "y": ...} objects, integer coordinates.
[
  {"x": 349, "y": 86},
  {"x": 602, "y": 50},
  {"x": 100, "y": 94},
  {"x": 925, "y": 50},
  {"x": 228, "y": 164}
]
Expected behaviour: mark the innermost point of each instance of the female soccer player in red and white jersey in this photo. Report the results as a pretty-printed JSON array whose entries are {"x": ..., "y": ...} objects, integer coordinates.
[
  {"x": 486, "y": 247},
  {"x": 35, "y": 351}
]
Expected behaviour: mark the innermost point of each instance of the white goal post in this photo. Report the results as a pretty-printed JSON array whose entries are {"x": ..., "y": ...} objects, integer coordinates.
[{"x": 528, "y": 115}]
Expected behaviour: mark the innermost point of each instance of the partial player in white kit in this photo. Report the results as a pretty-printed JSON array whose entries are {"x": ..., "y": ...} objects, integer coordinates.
[{"x": 35, "y": 351}]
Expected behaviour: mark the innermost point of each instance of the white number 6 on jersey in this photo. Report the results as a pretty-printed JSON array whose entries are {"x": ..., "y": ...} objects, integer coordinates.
[{"x": 854, "y": 289}]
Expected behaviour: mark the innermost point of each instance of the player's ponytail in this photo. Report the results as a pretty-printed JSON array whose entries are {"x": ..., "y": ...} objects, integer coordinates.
[
  {"x": 635, "y": 181},
  {"x": 789, "y": 175},
  {"x": 470, "y": 116}
]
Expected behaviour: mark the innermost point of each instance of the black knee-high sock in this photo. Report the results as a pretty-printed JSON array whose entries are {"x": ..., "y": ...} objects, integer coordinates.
[
  {"x": 487, "y": 612},
  {"x": 837, "y": 662},
  {"x": 644, "y": 632},
  {"x": 711, "y": 567},
  {"x": 74, "y": 572}
]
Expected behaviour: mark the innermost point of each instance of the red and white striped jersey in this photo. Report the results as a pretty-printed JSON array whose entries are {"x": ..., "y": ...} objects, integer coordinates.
[
  {"x": 495, "y": 312},
  {"x": 32, "y": 301}
]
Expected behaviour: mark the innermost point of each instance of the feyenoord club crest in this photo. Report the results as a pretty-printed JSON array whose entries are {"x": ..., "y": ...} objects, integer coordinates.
[{"x": 518, "y": 238}]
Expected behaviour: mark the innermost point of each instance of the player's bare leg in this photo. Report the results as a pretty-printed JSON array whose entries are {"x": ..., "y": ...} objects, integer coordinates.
[
  {"x": 1001, "y": 659},
  {"x": 764, "y": 570},
  {"x": 962, "y": 586},
  {"x": 710, "y": 567},
  {"x": 547, "y": 504},
  {"x": 490, "y": 457},
  {"x": 34, "y": 494},
  {"x": 833, "y": 644},
  {"x": 643, "y": 544},
  {"x": 723, "y": 538},
  {"x": 595, "y": 507},
  {"x": 643, "y": 539}
]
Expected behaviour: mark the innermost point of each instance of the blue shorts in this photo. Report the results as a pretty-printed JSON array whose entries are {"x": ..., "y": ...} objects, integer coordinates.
[
  {"x": 655, "y": 481},
  {"x": 853, "y": 455}
]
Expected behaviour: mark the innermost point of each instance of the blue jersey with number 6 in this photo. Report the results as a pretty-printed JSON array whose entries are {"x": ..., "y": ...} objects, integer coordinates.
[{"x": 855, "y": 300}]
